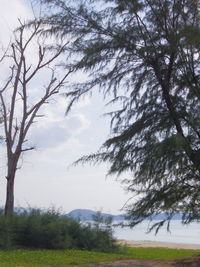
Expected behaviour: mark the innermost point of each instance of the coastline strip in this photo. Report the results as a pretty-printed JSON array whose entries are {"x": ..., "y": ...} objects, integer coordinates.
[{"x": 154, "y": 244}]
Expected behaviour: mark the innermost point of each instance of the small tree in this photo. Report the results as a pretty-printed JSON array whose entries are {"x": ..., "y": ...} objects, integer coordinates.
[
  {"x": 19, "y": 108},
  {"x": 146, "y": 53}
]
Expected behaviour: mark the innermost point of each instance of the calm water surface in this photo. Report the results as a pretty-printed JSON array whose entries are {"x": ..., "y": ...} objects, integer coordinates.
[{"x": 189, "y": 234}]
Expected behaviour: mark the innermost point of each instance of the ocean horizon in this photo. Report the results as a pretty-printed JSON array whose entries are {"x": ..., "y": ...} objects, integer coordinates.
[{"x": 179, "y": 233}]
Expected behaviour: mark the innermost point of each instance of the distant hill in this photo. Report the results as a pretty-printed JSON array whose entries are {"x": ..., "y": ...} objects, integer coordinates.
[{"x": 87, "y": 215}]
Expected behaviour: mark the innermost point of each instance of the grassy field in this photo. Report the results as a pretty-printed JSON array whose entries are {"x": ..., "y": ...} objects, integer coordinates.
[
  {"x": 166, "y": 254},
  {"x": 38, "y": 258}
]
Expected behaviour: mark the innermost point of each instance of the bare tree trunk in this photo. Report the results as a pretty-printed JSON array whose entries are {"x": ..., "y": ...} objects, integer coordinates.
[{"x": 9, "y": 206}]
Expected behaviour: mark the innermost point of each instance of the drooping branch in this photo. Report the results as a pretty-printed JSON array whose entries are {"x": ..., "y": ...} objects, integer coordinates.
[{"x": 161, "y": 110}]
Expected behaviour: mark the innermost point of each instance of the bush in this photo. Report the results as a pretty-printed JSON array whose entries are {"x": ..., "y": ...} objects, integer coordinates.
[
  {"x": 6, "y": 232},
  {"x": 38, "y": 229}
]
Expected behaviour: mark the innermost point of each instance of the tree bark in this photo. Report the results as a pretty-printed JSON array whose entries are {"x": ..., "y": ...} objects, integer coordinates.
[
  {"x": 9, "y": 206},
  {"x": 165, "y": 85}
]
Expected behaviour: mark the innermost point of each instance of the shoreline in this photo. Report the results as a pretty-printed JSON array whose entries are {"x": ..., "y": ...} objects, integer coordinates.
[{"x": 154, "y": 244}]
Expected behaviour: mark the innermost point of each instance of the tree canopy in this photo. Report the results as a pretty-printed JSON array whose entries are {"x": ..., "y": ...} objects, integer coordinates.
[{"x": 146, "y": 54}]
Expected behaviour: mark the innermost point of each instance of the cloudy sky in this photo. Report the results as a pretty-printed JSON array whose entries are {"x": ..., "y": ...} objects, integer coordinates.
[{"x": 45, "y": 178}]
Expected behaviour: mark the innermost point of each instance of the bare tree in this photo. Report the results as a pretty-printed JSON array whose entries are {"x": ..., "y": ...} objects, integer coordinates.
[{"x": 19, "y": 109}]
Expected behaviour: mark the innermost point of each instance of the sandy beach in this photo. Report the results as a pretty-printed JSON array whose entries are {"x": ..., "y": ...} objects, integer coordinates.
[{"x": 159, "y": 244}]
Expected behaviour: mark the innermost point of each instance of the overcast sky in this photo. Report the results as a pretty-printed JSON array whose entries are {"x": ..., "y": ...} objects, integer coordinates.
[{"x": 45, "y": 179}]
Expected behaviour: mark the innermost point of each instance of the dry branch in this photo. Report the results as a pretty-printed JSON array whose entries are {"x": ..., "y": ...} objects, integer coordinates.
[{"x": 16, "y": 126}]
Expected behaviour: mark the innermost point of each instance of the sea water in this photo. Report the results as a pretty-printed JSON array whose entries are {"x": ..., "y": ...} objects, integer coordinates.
[{"x": 179, "y": 233}]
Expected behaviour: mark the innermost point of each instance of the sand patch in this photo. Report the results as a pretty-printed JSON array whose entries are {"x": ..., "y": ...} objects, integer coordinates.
[{"x": 154, "y": 244}]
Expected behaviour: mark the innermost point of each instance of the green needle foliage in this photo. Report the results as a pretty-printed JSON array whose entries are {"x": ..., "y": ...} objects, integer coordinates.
[{"x": 144, "y": 53}]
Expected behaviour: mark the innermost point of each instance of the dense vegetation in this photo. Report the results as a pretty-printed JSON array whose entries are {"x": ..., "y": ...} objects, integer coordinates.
[{"x": 37, "y": 229}]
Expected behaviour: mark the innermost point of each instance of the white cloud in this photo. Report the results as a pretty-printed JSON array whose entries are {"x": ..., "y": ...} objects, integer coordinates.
[
  {"x": 11, "y": 11},
  {"x": 55, "y": 128},
  {"x": 44, "y": 137},
  {"x": 84, "y": 102},
  {"x": 77, "y": 123}
]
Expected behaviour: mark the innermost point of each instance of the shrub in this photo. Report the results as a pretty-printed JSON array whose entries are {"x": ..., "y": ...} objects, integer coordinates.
[
  {"x": 39, "y": 229},
  {"x": 6, "y": 232}
]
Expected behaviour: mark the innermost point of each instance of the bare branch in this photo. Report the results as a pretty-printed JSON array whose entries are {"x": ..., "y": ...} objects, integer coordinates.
[
  {"x": 5, "y": 111},
  {"x": 42, "y": 64},
  {"x": 27, "y": 149},
  {"x": 4, "y": 53}
]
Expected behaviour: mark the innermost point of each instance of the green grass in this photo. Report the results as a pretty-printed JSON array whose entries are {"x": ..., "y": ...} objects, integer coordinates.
[
  {"x": 52, "y": 257},
  {"x": 33, "y": 258},
  {"x": 165, "y": 254}
]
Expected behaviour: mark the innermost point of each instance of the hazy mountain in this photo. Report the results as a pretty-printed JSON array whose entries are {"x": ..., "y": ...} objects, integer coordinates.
[{"x": 87, "y": 215}]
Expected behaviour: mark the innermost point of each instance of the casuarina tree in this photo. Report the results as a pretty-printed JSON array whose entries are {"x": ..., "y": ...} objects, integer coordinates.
[{"x": 145, "y": 53}]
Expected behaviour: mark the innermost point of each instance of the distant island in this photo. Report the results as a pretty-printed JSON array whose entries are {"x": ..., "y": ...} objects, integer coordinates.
[{"x": 87, "y": 215}]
